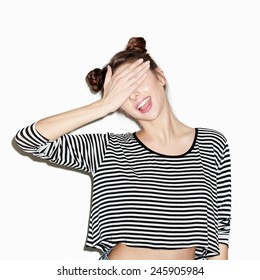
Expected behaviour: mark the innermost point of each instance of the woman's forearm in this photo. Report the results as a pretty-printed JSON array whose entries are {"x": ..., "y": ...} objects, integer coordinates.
[
  {"x": 117, "y": 89},
  {"x": 54, "y": 126}
]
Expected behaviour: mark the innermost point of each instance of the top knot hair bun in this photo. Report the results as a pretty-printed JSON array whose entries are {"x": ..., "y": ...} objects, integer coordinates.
[
  {"x": 95, "y": 79},
  {"x": 136, "y": 44}
]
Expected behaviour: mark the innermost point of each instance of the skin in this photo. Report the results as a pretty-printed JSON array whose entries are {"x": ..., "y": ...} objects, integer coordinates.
[{"x": 159, "y": 130}]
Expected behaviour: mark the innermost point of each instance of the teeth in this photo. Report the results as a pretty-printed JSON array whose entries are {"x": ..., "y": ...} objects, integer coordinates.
[{"x": 143, "y": 102}]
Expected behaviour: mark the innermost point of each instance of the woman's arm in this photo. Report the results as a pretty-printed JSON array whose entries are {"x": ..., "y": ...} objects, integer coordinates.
[
  {"x": 117, "y": 89},
  {"x": 224, "y": 202},
  {"x": 54, "y": 126}
]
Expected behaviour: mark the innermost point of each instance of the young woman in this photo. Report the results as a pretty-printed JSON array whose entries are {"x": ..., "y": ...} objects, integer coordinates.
[{"x": 160, "y": 193}]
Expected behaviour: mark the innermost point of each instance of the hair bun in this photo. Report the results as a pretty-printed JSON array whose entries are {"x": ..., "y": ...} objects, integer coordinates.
[
  {"x": 136, "y": 44},
  {"x": 95, "y": 80}
]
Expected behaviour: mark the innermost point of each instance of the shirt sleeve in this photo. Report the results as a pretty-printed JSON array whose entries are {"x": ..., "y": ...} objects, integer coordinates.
[
  {"x": 224, "y": 195},
  {"x": 80, "y": 151}
]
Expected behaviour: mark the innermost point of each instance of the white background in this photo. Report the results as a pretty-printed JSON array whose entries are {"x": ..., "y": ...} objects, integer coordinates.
[{"x": 209, "y": 51}]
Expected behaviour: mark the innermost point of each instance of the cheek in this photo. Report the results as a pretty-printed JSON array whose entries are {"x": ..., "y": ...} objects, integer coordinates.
[{"x": 124, "y": 106}]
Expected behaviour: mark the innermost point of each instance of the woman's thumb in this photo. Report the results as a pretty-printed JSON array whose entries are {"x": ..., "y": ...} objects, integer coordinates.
[{"x": 108, "y": 75}]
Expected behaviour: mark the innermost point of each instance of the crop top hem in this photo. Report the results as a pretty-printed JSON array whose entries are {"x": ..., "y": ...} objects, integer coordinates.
[{"x": 202, "y": 252}]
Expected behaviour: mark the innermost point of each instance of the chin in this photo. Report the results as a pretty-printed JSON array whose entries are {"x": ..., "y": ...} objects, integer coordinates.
[{"x": 149, "y": 117}]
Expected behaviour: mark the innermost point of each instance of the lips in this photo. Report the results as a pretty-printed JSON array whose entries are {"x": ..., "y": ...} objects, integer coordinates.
[{"x": 145, "y": 105}]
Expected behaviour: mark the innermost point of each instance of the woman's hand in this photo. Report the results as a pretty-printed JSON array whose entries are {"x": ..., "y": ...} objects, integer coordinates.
[{"x": 119, "y": 86}]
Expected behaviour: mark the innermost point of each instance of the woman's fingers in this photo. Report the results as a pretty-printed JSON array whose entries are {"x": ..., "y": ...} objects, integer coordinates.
[
  {"x": 128, "y": 67},
  {"x": 118, "y": 86},
  {"x": 138, "y": 74},
  {"x": 108, "y": 75},
  {"x": 131, "y": 73}
]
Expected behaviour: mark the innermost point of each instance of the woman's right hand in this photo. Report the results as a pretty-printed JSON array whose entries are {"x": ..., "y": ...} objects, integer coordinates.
[
  {"x": 117, "y": 88},
  {"x": 120, "y": 85}
]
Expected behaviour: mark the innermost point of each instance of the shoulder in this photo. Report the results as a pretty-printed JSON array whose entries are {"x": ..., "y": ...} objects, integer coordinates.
[
  {"x": 101, "y": 137},
  {"x": 210, "y": 133},
  {"x": 211, "y": 136},
  {"x": 120, "y": 137}
]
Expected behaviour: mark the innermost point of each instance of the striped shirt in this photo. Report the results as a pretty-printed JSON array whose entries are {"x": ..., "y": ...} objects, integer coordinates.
[{"x": 145, "y": 199}]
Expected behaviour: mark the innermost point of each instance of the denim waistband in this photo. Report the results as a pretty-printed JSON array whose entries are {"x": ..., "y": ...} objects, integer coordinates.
[{"x": 105, "y": 254}]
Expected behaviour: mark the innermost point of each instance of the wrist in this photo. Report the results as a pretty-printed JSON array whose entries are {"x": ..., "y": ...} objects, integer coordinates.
[{"x": 106, "y": 106}]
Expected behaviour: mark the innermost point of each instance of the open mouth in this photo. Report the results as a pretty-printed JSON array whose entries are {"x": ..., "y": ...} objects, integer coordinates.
[{"x": 145, "y": 105}]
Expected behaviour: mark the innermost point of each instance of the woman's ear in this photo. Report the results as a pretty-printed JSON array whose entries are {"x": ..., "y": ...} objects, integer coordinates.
[{"x": 160, "y": 76}]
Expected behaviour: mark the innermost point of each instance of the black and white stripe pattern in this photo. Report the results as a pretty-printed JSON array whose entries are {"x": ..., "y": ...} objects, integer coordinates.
[{"x": 146, "y": 199}]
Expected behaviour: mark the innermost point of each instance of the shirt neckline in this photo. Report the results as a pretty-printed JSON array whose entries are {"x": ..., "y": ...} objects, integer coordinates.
[{"x": 166, "y": 155}]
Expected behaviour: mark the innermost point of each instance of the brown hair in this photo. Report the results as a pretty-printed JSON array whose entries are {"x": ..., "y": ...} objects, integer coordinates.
[{"x": 135, "y": 49}]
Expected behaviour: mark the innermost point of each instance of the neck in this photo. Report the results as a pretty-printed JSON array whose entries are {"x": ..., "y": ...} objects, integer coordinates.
[{"x": 164, "y": 128}]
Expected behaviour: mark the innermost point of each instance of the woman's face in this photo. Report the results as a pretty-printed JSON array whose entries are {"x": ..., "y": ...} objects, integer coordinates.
[{"x": 149, "y": 99}]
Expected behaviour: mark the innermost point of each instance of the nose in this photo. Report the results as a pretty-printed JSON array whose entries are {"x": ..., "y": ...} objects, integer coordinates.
[{"x": 134, "y": 95}]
